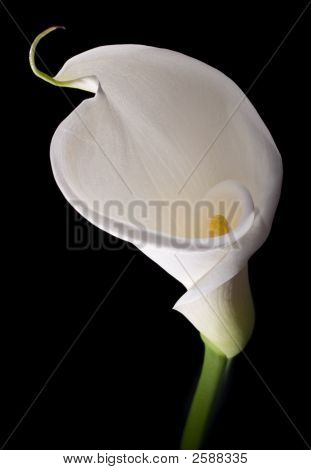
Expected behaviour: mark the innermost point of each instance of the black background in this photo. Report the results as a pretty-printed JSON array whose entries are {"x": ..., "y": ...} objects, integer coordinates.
[{"x": 126, "y": 382}]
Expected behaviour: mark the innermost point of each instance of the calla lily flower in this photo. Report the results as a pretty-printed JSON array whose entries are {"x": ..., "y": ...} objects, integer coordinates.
[{"x": 163, "y": 126}]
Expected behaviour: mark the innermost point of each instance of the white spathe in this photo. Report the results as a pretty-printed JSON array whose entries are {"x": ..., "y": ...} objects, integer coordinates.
[{"x": 156, "y": 114}]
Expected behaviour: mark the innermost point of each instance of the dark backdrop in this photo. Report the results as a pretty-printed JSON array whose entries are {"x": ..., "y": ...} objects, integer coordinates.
[{"x": 126, "y": 382}]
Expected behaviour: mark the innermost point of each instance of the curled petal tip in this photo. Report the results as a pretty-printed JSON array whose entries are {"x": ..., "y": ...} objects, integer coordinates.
[
  {"x": 32, "y": 55},
  {"x": 82, "y": 83}
]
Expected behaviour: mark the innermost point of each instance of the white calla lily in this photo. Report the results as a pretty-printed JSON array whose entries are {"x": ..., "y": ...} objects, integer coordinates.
[{"x": 164, "y": 126}]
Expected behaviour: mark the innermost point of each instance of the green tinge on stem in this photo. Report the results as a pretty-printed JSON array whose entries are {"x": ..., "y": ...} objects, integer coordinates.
[
  {"x": 205, "y": 397},
  {"x": 82, "y": 83}
]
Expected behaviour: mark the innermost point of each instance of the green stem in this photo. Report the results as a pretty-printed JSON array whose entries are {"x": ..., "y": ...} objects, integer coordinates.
[{"x": 204, "y": 400}]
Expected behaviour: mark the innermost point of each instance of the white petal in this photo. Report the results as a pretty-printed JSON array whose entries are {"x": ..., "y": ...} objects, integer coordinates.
[{"x": 164, "y": 126}]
